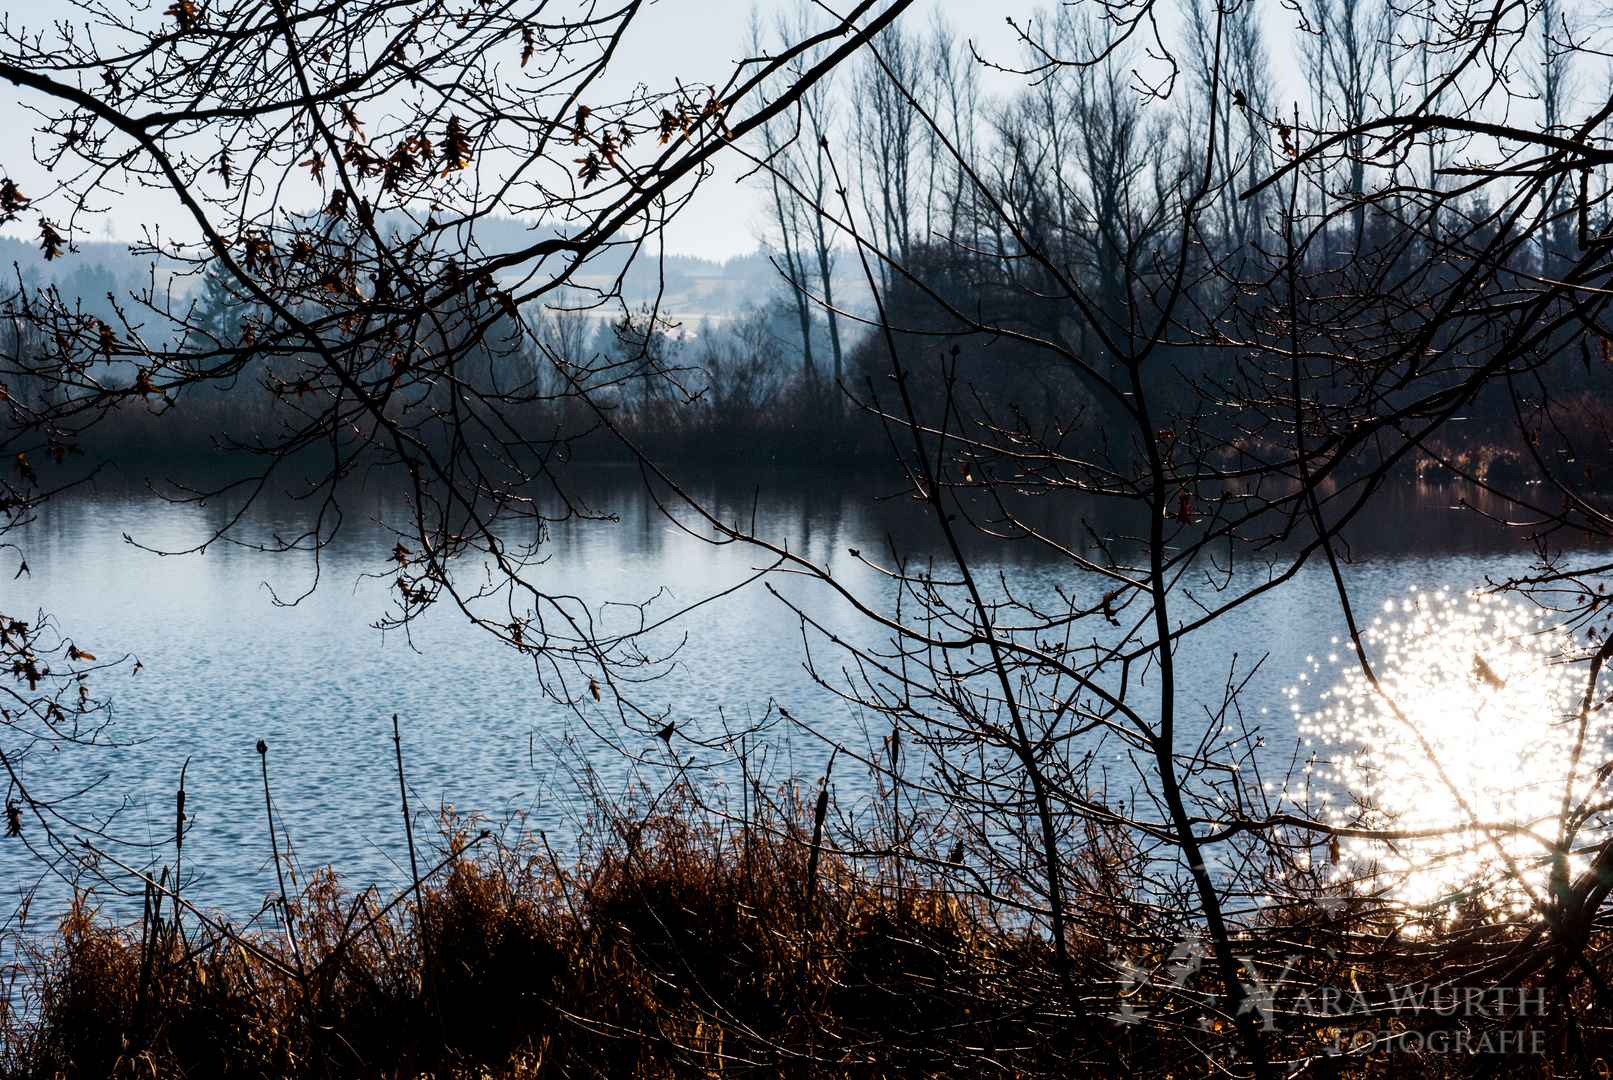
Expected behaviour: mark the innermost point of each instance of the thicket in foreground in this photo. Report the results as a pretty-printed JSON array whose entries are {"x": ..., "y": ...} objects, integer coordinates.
[{"x": 682, "y": 943}]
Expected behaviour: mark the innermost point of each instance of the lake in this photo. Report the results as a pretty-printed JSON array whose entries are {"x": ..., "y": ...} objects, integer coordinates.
[{"x": 222, "y": 666}]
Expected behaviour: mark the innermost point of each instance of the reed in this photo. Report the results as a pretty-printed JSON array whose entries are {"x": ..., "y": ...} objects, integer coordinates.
[
  {"x": 679, "y": 943},
  {"x": 662, "y": 952}
]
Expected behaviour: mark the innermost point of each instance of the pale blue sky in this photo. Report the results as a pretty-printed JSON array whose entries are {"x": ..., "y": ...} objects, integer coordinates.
[
  {"x": 691, "y": 40},
  {"x": 703, "y": 37}
]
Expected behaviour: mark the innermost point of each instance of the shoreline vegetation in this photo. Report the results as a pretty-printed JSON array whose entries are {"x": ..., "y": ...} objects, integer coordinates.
[
  {"x": 683, "y": 941},
  {"x": 574, "y": 379},
  {"x": 810, "y": 435}
]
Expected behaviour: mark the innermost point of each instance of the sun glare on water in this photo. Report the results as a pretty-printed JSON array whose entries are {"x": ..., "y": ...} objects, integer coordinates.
[{"x": 1473, "y": 739}]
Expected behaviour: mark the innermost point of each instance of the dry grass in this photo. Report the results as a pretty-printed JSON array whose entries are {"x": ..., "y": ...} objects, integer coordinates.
[{"x": 678, "y": 945}]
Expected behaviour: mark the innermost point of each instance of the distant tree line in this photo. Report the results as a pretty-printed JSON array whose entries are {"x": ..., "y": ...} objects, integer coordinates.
[
  {"x": 990, "y": 200},
  {"x": 980, "y": 214}
]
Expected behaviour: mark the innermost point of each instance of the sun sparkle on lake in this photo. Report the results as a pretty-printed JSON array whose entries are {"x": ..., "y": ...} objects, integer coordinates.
[{"x": 1475, "y": 737}]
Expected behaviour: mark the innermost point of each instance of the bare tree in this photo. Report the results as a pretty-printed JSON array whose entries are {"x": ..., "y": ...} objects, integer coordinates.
[
  {"x": 1242, "y": 75},
  {"x": 340, "y": 176},
  {"x": 1013, "y": 711},
  {"x": 798, "y": 176},
  {"x": 887, "y": 136},
  {"x": 1043, "y": 750},
  {"x": 789, "y": 218}
]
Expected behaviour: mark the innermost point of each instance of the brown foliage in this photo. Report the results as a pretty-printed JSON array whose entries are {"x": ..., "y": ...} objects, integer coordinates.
[{"x": 678, "y": 948}]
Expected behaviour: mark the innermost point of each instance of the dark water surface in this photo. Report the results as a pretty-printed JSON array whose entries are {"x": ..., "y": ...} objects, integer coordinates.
[{"x": 222, "y": 666}]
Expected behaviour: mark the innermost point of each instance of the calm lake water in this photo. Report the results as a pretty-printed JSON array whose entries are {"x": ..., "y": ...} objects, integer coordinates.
[{"x": 222, "y": 666}]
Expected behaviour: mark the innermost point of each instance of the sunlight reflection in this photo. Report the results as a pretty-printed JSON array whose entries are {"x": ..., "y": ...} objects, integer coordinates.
[{"x": 1488, "y": 697}]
